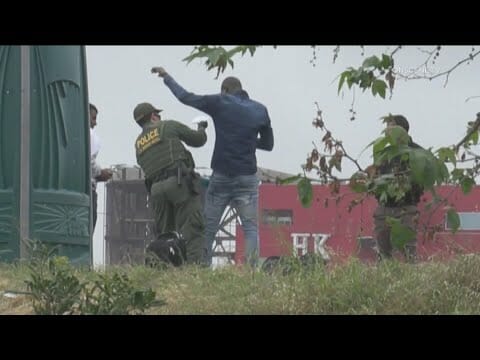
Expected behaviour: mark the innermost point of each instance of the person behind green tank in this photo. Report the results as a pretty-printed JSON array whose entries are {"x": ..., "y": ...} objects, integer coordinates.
[{"x": 171, "y": 181}]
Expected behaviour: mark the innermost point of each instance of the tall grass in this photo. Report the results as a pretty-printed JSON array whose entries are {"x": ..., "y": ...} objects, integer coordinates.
[{"x": 390, "y": 287}]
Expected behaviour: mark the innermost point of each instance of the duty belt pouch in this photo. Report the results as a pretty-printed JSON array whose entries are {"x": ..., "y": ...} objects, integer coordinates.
[
  {"x": 180, "y": 172},
  {"x": 192, "y": 184},
  {"x": 148, "y": 185}
]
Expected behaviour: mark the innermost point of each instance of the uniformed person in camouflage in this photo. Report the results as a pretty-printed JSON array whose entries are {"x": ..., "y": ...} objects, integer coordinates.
[
  {"x": 404, "y": 208},
  {"x": 173, "y": 185}
]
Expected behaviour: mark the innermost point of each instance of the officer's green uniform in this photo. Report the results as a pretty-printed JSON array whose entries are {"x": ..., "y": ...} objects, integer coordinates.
[
  {"x": 175, "y": 199},
  {"x": 404, "y": 209}
]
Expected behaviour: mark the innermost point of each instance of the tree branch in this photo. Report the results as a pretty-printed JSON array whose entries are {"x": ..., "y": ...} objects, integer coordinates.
[
  {"x": 443, "y": 73},
  {"x": 472, "y": 130},
  {"x": 442, "y": 201},
  {"x": 340, "y": 144},
  {"x": 471, "y": 97},
  {"x": 350, "y": 158},
  {"x": 396, "y": 49}
]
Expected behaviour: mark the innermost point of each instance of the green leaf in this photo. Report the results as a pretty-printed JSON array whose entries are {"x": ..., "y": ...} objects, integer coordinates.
[
  {"x": 442, "y": 172},
  {"x": 400, "y": 234},
  {"x": 305, "y": 192},
  {"x": 189, "y": 58},
  {"x": 366, "y": 147},
  {"x": 366, "y": 80},
  {"x": 386, "y": 61},
  {"x": 372, "y": 61},
  {"x": 357, "y": 73},
  {"x": 417, "y": 164},
  {"x": 453, "y": 220},
  {"x": 201, "y": 51},
  {"x": 350, "y": 81},
  {"x": 397, "y": 135},
  {"x": 237, "y": 49},
  {"x": 474, "y": 137},
  {"x": 343, "y": 76},
  {"x": 383, "y": 155},
  {"x": 467, "y": 183},
  {"x": 422, "y": 164},
  {"x": 379, "y": 145},
  {"x": 214, "y": 55},
  {"x": 379, "y": 87},
  {"x": 457, "y": 174},
  {"x": 242, "y": 50},
  {"x": 218, "y": 57},
  {"x": 446, "y": 153},
  {"x": 290, "y": 179}
]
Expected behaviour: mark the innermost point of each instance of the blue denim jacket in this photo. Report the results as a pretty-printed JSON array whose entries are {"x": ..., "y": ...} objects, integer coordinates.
[{"x": 238, "y": 122}]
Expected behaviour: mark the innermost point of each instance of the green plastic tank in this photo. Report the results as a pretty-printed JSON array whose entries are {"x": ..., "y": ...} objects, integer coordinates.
[{"x": 44, "y": 151}]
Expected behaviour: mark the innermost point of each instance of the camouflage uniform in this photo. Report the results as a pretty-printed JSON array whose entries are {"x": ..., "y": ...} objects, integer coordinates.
[
  {"x": 405, "y": 210},
  {"x": 408, "y": 215},
  {"x": 172, "y": 183}
]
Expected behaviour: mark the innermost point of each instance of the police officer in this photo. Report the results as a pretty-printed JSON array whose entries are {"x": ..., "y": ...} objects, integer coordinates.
[
  {"x": 242, "y": 126},
  {"x": 173, "y": 185}
]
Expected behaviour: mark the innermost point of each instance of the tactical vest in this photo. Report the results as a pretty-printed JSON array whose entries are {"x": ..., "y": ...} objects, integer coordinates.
[{"x": 156, "y": 153}]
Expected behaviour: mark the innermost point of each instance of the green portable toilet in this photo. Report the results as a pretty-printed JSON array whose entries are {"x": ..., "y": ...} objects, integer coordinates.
[{"x": 44, "y": 151}]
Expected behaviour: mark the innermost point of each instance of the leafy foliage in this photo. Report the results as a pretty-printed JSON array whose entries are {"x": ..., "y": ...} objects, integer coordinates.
[
  {"x": 217, "y": 56},
  {"x": 424, "y": 168},
  {"x": 305, "y": 192},
  {"x": 116, "y": 295},
  {"x": 400, "y": 234},
  {"x": 55, "y": 288},
  {"x": 390, "y": 287},
  {"x": 369, "y": 75},
  {"x": 453, "y": 219}
]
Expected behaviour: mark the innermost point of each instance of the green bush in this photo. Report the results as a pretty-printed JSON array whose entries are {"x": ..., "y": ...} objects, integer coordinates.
[{"x": 55, "y": 288}]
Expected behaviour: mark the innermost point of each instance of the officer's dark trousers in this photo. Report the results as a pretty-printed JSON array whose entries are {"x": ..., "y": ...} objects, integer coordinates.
[
  {"x": 177, "y": 208},
  {"x": 408, "y": 216}
]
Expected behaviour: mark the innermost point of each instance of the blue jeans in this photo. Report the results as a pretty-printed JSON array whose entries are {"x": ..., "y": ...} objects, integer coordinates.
[{"x": 241, "y": 193}]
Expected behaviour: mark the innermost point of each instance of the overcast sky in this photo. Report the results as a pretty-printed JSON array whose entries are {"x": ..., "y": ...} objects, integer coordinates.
[{"x": 285, "y": 81}]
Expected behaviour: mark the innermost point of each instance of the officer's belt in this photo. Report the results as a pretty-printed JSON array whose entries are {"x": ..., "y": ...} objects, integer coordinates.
[
  {"x": 173, "y": 172},
  {"x": 166, "y": 174}
]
